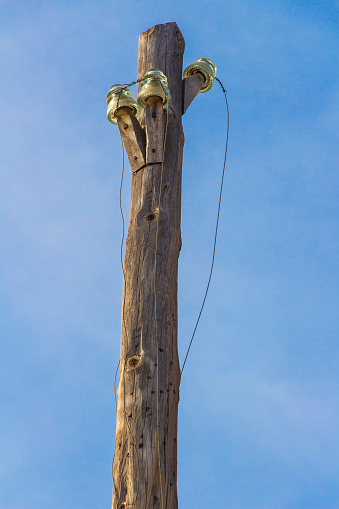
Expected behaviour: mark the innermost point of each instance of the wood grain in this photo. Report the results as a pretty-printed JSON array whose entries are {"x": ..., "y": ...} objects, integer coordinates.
[
  {"x": 133, "y": 137},
  {"x": 190, "y": 87},
  {"x": 149, "y": 373},
  {"x": 154, "y": 115}
]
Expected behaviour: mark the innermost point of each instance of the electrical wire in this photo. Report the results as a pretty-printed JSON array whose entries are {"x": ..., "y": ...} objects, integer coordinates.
[{"x": 216, "y": 230}]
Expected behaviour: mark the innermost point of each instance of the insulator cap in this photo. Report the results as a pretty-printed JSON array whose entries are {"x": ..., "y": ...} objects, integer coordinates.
[
  {"x": 154, "y": 84},
  {"x": 120, "y": 97},
  {"x": 206, "y": 67}
]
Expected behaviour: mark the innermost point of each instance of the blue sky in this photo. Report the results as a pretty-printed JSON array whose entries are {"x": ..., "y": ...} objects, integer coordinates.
[{"x": 258, "y": 416}]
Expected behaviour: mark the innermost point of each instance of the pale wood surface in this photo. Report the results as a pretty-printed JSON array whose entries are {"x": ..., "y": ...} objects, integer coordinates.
[
  {"x": 136, "y": 451},
  {"x": 154, "y": 131},
  {"x": 133, "y": 137},
  {"x": 190, "y": 88}
]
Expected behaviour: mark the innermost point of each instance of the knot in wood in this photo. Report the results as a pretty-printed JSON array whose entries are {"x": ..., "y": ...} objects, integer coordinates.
[
  {"x": 134, "y": 361},
  {"x": 151, "y": 216}
]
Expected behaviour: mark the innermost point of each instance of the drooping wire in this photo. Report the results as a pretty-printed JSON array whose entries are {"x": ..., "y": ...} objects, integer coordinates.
[
  {"x": 216, "y": 230},
  {"x": 125, "y": 330},
  {"x": 121, "y": 258}
]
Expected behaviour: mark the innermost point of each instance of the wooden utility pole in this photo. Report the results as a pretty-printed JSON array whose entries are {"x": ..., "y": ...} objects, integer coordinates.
[{"x": 145, "y": 471}]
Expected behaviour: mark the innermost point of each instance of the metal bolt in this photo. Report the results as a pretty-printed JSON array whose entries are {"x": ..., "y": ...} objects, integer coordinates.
[{"x": 153, "y": 150}]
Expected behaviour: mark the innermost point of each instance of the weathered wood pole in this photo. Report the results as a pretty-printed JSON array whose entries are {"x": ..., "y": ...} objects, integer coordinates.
[{"x": 148, "y": 392}]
